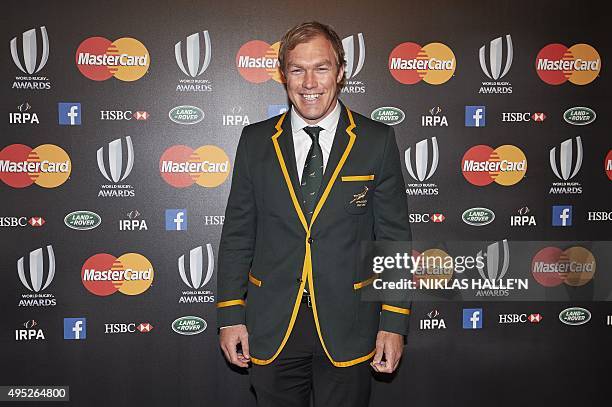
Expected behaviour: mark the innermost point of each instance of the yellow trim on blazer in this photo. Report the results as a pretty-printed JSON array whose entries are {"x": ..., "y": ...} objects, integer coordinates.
[
  {"x": 230, "y": 303},
  {"x": 357, "y": 178},
  {"x": 386, "y": 307},
  {"x": 254, "y": 280},
  {"x": 363, "y": 283},
  {"x": 307, "y": 265}
]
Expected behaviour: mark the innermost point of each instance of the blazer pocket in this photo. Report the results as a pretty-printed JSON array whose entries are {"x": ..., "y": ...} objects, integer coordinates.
[
  {"x": 357, "y": 192},
  {"x": 352, "y": 178},
  {"x": 254, "y": 280},
  {"x": 359, "y": 285}
]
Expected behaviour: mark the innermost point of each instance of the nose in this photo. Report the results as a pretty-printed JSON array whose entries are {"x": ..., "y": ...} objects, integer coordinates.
[{"x": 310, "y": 81}]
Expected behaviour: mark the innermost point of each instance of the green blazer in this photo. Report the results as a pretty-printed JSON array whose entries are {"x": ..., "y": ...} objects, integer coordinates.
[{"x": 268, "y": 252}]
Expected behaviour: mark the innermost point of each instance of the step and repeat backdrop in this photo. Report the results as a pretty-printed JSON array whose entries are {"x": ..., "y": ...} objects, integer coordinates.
[{"x": 120, "y": 128}]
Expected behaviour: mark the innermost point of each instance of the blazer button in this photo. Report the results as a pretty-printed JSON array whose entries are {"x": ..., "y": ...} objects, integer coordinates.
[{"x": 310, "y": 240}]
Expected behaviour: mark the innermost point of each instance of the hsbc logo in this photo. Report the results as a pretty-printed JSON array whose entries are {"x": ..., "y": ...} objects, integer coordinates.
[
  {"x": 426, "y": 217},
  {"x": 122, "y": 328},
  {"x": 123, "y": 115},
  {"x": 519, "y": 318},
  {"x": 523, "y": 117},
  {"x": 21, "y": 221}
]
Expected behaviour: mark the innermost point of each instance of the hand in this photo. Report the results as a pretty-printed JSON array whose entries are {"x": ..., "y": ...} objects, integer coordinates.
[
  {"x": 392, "y": 346},
  {"x": 229, "y": 338}
]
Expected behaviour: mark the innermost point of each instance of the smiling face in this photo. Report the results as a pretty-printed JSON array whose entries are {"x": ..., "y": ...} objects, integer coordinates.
[{"x": 312, "y": 76}]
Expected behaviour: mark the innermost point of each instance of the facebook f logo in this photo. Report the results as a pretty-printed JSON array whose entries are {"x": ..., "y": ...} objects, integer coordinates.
[
  {"x": 176, "y": 219},
  {"x": 562, "y": 215},
  {"x": 75, "y": 328},
  {"x": 475, "y": 116},
  {"x": 472, "y": 318},
  {"x": 69, "y": 114}
]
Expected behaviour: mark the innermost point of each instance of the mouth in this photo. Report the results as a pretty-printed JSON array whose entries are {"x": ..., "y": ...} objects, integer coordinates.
[{"x": 311, "y": 97}]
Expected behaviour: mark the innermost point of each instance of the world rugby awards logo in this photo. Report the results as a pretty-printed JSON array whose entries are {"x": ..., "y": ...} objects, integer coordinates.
[
  {"x": 35, "y": 280},
  {"x": 494, "y": 269},
  {"x": 196, "y": 279},
  {"x": 565, "y": 165},
  {"x": 197, "y": 56},
  {"x": 421, "y": 167},
  {"x": 119, "y": 168},
  {"x": 33, "y": 58},
  {"x": 496, "y": 68},
  {"x": 352, "y": 67}
]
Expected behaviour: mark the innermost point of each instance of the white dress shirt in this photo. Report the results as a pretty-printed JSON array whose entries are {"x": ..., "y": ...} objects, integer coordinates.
[{"x": 302, "y": 141}]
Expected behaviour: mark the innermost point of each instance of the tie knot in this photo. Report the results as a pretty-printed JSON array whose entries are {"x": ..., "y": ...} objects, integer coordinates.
[{"x": 313, "y": 132}]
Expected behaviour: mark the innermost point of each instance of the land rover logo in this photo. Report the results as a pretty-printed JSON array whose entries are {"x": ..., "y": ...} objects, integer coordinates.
[
  {"x": 388, "y": 115},
  {"x": 82, "y": 220},
  {"x": 189, "y": 325},
  {"x": 478, "y": 216},
  {"x": 186, "y": 115},
  {"x": 575, "y": 316},
  {"x": 579, "y": 116}
]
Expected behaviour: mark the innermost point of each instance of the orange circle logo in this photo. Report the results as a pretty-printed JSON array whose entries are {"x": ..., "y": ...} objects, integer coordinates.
[
  {"x": 181, "y": 166},
  {"x": 47, "y": 165},
  {"x": 98, "y": 59},
  {"x": 104, "y": 274},
  {"x": 257, "y": 61},
  {"x": 580, "y": 64},
  {"x": 409, "y": 63},
  {"x": 552, "y": 266},
  {"x": 506, "y": 165}
]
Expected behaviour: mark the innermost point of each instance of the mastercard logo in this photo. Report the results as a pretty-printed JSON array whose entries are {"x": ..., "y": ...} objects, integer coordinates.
[
  {"x": 257, "y": 61},
  {"x": 506, "y": 165},
  {"x": 98, "y": 59},
  {"x": 182, "y": 166},
  {"x": 47, "y": 165},
  {"x": 104, "y": 274},
  {"x": 409, "y": 63},
  {"x": 432, "y": 264},
  {"x": 608, "y": 165},
  {"x": 552, "y": 266},
  {"x": 580, "y": 64}
]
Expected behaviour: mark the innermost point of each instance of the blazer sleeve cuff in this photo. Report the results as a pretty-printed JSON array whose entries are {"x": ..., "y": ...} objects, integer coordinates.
[
  {"x": 231, "y": 312},
  {"x": 394, "y": 319}
]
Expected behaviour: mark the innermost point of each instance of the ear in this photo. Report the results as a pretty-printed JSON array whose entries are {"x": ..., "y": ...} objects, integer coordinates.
[{"x": 340, "y": 74}]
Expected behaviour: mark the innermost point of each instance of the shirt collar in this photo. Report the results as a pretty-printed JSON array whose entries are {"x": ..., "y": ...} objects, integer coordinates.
[{"x": 328, "y": 123}]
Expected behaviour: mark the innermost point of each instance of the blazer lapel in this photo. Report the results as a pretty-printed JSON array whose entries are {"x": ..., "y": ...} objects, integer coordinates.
[{"x": 341, "y": 139}]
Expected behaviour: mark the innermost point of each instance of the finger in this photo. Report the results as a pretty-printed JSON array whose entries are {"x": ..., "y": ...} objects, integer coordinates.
[
  {"x": 244, "y": 341},
  {"x": 379, "y": 353}
]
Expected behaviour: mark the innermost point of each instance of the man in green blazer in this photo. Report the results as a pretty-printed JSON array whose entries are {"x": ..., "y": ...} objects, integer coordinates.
[{"x": 308, "y": 187}]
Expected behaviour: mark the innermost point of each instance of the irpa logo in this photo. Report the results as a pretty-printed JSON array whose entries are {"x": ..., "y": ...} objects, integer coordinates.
[
  {"x": 196, "y": 45},
  {"x": 423, "y": 167},
  {"x": 196, "y": 278},
  {"x": 31, "y": 49},
  {"x": 117, "y": 169}
]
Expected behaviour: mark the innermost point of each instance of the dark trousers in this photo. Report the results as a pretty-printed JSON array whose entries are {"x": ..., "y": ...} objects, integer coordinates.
[{"x": 302, "y": 370}]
